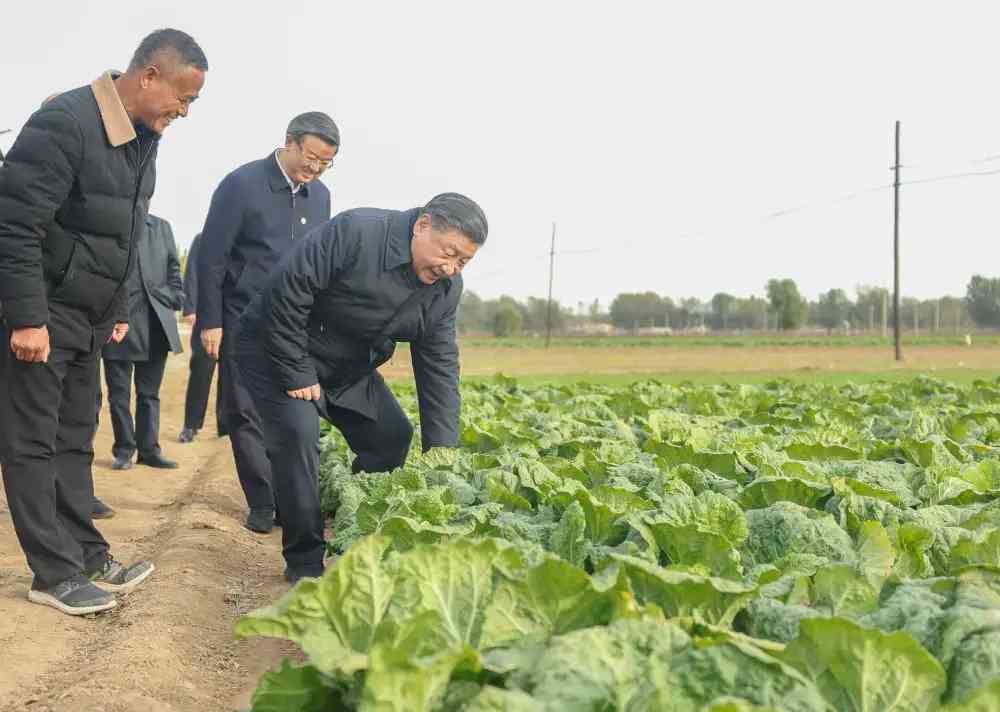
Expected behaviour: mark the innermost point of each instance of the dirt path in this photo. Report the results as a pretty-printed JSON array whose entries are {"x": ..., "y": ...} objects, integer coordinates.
[{"x": 169, "y": 645}]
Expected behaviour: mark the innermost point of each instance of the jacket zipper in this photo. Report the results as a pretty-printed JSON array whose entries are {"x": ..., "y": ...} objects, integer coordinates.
[
  {"x": 293, "y": 213},
  {"x": 135, "y": 199}
]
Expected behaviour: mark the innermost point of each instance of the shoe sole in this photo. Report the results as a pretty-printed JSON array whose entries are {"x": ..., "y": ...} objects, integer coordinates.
[
  {"x": 128, "y": 585},
  {"x": 257, "y": 531},
  {"x": 47, "y": 599}
]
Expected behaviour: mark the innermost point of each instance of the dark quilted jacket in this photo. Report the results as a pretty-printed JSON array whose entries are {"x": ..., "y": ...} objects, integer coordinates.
[{"x": 74, "y": 192}]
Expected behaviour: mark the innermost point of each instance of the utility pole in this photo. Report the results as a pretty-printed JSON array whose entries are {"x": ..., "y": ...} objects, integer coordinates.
[
  {"x": 548, "y": 310},
  {"x": 885, "y": 313},
  {"x": 937, "y": 315},
  {"x": 895, "y": 247},
  {"x": 871, "y": 318}
]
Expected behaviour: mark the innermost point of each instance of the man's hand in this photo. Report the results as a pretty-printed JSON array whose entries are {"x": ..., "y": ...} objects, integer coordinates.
[
  {"x": 310, "y": 393},
  {"x": 31, "y": 344},
  {"x": 119, "y": 333},
  {"x": 211, "y": 339},
  {"x": 190, "y": 319}
]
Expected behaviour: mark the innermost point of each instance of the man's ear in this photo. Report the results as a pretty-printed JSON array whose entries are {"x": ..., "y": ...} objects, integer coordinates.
[
  {"x": 423, "y": 224},
  {"x": 147, "y": 75}
]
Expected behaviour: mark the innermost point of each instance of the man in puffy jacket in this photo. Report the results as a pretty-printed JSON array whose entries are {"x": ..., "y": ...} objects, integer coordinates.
[
  {"x": 74, "y": 192},
  {"x": 257, "y": 213},
  {"x": 156, "y": 294},
  {"x": 327, "y": 319}
]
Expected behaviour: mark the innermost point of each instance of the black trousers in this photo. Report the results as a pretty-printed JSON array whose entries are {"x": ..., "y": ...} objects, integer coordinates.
[
  {"x": 291, "y": 432},
  {"x": 142, "y": 433},
  {"x": 201, "y": 373},
  {"x": 240, "y": 419},
  {"x": 47, "y": 411}
]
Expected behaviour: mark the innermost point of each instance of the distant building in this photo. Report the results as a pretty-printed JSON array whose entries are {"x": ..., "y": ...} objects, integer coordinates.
[
  {"x": 593, "y": 329},
  {"x": 654, "y": 331}
]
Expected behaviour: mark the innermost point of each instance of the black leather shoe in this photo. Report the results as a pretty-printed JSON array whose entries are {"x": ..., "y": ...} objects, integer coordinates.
[
  {"x": 187, "y": 435},
  {"x": 101, "y": 510},
  {"x": 260, "y": 521},
  {"x": 122, "y": 463},
  {"x": 158, "y": 461}
]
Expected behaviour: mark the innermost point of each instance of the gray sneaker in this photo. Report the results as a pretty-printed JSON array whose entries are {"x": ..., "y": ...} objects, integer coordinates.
[
  {"x": 75, "y": 596},
  {"x": 114, "y": 576}
]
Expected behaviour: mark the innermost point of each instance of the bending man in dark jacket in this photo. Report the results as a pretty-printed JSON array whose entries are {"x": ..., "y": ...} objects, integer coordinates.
[
  {"x": 331, "y": 314},
  {"x": 155, "y": 296},
  {"x": 201, "y": 369},
  {"x": 257, "y": 213},
  {"x": 74, "y": 190}
]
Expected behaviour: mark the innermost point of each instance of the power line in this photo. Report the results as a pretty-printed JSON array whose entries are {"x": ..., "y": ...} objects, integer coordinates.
[
  {"x": 846, "y": 197},
  {"x": 965, "y": 174},
  {"x": 778, "y": 214},
  {"x": 538, "y": 258}
]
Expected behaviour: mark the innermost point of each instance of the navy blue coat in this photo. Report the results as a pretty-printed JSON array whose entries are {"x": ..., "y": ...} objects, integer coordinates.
[
  {"x": 253, "y": 220},
  {"x": 321, "y": 318}
]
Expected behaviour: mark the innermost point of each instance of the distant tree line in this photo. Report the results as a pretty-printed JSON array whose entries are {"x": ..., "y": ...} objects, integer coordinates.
[{"x": 782, "y": 307}]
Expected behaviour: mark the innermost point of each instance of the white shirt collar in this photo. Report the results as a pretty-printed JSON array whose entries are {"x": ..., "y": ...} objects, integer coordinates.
[{"x": 294, "y": 186}]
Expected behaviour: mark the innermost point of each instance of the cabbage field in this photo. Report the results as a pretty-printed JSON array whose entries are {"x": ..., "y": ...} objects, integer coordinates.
[{"x": 663, "y": 548}]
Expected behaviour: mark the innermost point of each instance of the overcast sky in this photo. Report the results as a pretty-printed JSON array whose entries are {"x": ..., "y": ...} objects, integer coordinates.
[{"x": 657, "y": 135}]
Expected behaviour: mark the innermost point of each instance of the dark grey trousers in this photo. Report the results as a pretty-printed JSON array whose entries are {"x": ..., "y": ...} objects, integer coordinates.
[
  {"x": 142, "y": 433},
  {"x": 240, "y": 419},
  {"x": 200, "y": 375}
]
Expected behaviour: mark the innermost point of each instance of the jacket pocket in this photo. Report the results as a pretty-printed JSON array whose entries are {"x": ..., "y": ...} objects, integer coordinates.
[{"x": 58, "y": 259}]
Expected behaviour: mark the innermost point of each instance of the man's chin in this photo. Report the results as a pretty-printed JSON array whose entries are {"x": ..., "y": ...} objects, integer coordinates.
[{"x": 156, "y": 127}]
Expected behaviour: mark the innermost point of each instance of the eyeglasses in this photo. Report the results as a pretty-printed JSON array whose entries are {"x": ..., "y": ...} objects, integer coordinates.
[{"x": 315, "y": 163}]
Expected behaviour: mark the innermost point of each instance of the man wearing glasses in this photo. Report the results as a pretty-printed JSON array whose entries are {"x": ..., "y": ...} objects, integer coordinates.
[{"x": 256, "y": 215}]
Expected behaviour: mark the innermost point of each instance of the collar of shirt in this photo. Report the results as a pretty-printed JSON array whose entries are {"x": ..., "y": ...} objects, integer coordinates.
[
  {"x": 397, "y": 245},
  {"x": 294, "y": 186}
]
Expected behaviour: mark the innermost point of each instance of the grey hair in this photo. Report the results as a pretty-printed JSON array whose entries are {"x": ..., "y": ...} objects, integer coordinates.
[
  {"x": 454, "y": 211},
  {"x": 188, "y": 53},
  {"x": 314, "y": 123}
]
